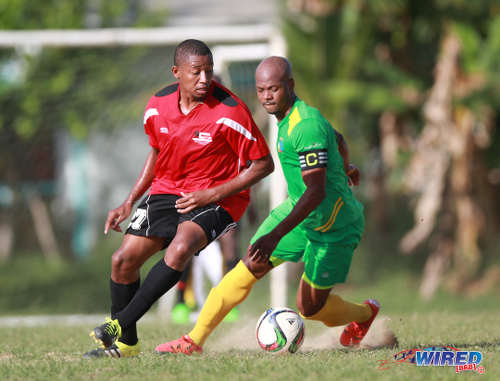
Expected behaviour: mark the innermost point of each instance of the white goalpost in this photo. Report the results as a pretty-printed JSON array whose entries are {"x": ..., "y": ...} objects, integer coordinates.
[
  {"x": 230, "y": 44},
  {"x": 223, "y": 55}
]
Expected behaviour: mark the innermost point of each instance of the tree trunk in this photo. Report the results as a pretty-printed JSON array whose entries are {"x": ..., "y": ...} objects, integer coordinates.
[
  {"x": 6, "y": 240},
  {"x": 435, "y": 267},
  {"x": 427, "y": 171},
  {"x": 467, "y": 256},
  {"x": 446, "y": 145}
]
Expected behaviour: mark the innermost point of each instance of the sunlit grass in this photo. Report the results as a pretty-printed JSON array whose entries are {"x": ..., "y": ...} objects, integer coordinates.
[{"x": 54, "y": 352}]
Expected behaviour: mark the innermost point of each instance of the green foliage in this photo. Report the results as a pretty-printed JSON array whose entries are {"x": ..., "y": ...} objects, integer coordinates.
[
  {"x": 66, "y": 88},
  {"x": 24, "y": 14},
  {"x": 367, "y": 54},
  {"x": 49, "y": 287}
]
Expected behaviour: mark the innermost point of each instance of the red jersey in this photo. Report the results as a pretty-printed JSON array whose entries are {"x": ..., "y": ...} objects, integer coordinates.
[{"x": 207, "y": 147}]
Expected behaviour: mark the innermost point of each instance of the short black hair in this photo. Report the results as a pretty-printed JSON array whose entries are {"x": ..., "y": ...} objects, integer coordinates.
[{"x": 190, "y": 47}]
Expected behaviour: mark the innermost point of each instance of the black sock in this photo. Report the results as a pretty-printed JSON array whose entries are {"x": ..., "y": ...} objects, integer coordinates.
[
  {"x": 160, "y": 279},
  {"x": 121, "y": 295}
]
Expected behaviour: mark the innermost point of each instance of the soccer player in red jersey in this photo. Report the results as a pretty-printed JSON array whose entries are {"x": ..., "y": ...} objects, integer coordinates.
[{"x": 206, "y": 152}]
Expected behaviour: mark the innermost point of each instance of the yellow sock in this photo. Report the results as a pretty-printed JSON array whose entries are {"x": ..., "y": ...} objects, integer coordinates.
[
  {"x": 231, "y": 291},
  {"x": 337, "y": 311}
]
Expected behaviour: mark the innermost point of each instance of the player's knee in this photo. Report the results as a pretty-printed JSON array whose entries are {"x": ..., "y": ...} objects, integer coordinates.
[
  {"x": 178, "y": 255},
  {"x": 258, "y": 269},
  {"x": 122, "y": 263}
]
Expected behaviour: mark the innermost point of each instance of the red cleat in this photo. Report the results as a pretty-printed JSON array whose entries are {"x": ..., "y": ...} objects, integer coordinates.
[
  {"x": 355, "y": 332},
  {"x": 183, "y": 345}
]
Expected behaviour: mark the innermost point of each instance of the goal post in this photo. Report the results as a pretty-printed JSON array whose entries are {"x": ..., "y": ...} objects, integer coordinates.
[{"x": 108, "y": 37}]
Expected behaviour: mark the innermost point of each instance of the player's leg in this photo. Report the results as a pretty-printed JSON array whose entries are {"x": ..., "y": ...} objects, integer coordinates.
[
  {"x": 231, "y": 291},
  {"x": 325, "y": 265},
  {"x": 189, "y": 239},
  {"x": 327, "y": 262},
  {"x": 152, "y": 227},
  {"x": 124, "y": 282},
  {"x": 236, "y": 285},
  {"x": 330, "y": 309},
  {"x": 194, "y": 231}
]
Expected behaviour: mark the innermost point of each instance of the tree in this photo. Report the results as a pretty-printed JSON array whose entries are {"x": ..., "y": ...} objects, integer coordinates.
[
  {"x": 45, "y": 91},
  {"x": 369, "y": 66}
]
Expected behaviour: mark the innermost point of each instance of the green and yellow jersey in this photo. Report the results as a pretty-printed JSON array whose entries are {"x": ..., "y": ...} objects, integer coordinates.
[{"x": 306, "y": 140}]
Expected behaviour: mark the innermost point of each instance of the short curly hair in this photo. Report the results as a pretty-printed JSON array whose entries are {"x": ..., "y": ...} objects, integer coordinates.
[{"x": 190, "y": 47}]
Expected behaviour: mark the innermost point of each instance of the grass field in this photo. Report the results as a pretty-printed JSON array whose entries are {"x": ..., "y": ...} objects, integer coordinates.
[{"x": 54, "y": 352}]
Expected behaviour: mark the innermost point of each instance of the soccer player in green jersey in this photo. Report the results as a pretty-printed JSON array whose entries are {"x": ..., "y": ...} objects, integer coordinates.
[{"x": 320, "y": 222}]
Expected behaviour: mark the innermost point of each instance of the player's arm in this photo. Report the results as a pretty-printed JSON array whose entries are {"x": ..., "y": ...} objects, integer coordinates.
[
  {"x": 350, "y": 169},
  {"x": 257, "y": 170},
  {"x": 143, "y": 182},
  {"x": 315, "y": 181}
]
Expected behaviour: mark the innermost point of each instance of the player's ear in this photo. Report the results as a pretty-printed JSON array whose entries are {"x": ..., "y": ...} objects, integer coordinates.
[
  {"x": 175, "y": 71},
  {"x": 291, "y": 84}
]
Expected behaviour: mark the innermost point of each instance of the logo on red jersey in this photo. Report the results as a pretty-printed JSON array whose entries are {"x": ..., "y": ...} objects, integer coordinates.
[
  {"x": 202, "y": 138},
  {"x": 150, "y": 112}
]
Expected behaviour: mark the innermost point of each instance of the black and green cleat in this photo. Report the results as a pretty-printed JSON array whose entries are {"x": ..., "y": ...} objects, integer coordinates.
[{"x": 107, "y": 333}]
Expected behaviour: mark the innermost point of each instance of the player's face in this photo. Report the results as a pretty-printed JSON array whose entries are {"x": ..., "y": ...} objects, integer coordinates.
[
  {"x": 194, "y": 75},
  {"x": 275, "y": 94}
]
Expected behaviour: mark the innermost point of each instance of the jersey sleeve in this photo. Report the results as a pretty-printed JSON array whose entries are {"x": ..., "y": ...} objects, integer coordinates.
[
  {"x": 243, "y": 135},
  {"x": 310, "y": 141},
  {"x": 151, "y": 115}
]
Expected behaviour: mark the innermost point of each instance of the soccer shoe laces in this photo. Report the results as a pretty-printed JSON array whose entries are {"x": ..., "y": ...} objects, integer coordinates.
[
  {"x": 107, "y": 333},
  {"x": 111, "y": 328},
  {"x": 355, "y": 331}
]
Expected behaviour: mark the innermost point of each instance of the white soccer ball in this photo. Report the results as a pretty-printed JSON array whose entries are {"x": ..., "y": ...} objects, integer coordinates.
[{"x": 280, "y": 330}]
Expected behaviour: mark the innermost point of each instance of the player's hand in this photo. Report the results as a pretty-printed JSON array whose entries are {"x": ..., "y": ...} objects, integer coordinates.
[
  {"x": 353, "y": 174},
  {"x": 193, "y": 200},
  {"x": 262, "y": 249},
  {"x": 117, "y": 216}
]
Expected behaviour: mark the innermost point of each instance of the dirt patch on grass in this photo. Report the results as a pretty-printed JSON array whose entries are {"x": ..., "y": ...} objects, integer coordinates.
[{"x": 242, "y": 337}]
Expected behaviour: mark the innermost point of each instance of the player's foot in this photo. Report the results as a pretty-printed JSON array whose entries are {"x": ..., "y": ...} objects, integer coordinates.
[
  {"x": 355, "y": 332},
  {"x": 106, "y": 334},
  {"x": 117, "y": 350},
  {"x": 180, "y": 314},
  {"x": 183, "y": 345}
]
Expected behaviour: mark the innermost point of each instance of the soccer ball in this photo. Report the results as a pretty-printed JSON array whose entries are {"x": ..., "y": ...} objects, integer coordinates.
[{"x": 280, "y": 330}]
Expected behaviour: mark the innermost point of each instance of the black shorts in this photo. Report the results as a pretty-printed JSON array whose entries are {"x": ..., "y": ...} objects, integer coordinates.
[{"x": 156, "y": 216}]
